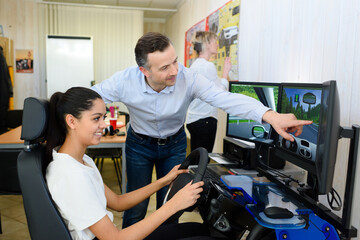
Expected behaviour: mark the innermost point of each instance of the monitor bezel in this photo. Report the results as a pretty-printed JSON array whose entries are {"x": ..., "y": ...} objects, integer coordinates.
[
  {"x": 322, "y": 169},
  {"x": 330, "y": 141},
  {"x": 304, "y": 163},
  {"x": 272, "y": 134}
]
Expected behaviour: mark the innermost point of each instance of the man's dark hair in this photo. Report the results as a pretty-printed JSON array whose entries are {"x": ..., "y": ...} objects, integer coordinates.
[{"x": 149, "y": 43}]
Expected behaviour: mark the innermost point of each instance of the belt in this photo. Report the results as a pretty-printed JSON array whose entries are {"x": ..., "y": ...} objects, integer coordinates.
[{"x": 159, "y": 141}]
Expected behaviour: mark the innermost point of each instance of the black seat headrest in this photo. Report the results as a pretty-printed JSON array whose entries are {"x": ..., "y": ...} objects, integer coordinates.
[{"x": 35, "y": 120}]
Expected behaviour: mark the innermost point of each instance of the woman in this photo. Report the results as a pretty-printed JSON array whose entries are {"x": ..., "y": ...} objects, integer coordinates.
[
  {"x": 202, "y": 118},
  {"x": 76, "y": 121}
]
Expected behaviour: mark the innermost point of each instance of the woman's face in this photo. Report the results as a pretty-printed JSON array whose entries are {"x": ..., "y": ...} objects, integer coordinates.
[
  {"x": 213, "y": 46},
  {"x": 89, "y": 127}
]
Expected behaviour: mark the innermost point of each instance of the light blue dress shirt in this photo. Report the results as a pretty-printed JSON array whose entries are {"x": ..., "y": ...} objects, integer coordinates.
[{"x": 162, "y": 114}]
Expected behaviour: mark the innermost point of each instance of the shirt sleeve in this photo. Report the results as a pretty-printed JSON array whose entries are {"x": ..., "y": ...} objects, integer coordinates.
[
  {"x": 224, "y": 83},
  {"x": 76, "y": 198},
  {"x": 109, "y": 89},
  {"x": 232, "y": 103}
]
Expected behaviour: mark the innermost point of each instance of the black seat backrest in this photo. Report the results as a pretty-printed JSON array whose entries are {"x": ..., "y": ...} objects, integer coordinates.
[{"x": 43, "y": 218}]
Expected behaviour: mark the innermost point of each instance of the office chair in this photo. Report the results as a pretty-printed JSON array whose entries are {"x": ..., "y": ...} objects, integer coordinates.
[
  {"x": 127, "y": 117},
  {"x": 43, "y": 218},
  {"x": 14, "y": 118}
]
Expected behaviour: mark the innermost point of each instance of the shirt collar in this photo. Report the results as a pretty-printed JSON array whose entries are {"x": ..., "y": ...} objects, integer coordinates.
[{"x": 147, "y": 89}]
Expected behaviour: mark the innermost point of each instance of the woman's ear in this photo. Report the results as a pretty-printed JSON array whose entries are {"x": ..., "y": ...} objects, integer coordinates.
[{"x": 70, "y": 121}]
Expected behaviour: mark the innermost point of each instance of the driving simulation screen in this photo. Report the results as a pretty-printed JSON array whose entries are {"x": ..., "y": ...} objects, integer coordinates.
[
  {"x": 304, "y": 103},
  {"x": 248, "y": 129}
]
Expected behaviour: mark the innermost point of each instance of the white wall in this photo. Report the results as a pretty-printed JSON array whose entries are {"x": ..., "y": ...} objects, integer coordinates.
[
  {"x": 19, "y": 20},
  {"x": 114, "y": 33},
  {"x": 294, "y": 41},
  {"x": 27, "y": 23}
]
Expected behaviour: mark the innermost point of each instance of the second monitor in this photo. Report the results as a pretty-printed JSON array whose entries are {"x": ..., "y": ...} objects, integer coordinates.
[{"x": 250, "y": 130}]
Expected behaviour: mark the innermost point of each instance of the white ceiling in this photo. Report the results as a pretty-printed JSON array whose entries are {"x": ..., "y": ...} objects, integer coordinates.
[{"x": 159, "y": 9}]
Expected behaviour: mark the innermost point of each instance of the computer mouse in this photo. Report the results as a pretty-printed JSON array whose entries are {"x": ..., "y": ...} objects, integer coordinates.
[{"x": 278, "y": 213}]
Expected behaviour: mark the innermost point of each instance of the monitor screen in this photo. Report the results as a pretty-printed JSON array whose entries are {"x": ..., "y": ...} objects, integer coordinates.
[
  {"x": 304, "y": 103},
  {"x": 315, "y": 148},
  {"x": 250, "y": 130}
]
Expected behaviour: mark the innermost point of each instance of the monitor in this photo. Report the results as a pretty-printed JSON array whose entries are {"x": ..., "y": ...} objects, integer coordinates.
[
  {"x": 250, "y": 130},
  {"x": 315, "y": 148}
]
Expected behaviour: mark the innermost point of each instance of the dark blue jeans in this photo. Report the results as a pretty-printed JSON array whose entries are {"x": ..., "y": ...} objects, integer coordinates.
[{"x": 141, "y": 156}]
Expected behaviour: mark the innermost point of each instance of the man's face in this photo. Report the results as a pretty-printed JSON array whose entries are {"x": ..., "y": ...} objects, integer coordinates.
[{"x": 163, "y": 69}]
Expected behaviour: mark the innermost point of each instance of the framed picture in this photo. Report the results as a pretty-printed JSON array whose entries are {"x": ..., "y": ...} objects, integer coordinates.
[{"x": 24, "y": 61}]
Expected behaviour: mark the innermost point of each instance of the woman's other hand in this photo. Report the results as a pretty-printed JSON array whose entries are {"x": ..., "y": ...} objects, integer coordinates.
[
  {"x": 168, "y": 178},
  {"x": 226, "y": 68}
]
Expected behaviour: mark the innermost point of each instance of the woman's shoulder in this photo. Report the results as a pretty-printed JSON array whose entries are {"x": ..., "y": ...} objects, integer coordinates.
[
  {"x": 63, "y": 165},
  {"x": 202, "y": 64}
]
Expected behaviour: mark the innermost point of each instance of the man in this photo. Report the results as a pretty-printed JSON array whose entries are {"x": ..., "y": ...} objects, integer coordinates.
[{"x": 157, "y": 94}]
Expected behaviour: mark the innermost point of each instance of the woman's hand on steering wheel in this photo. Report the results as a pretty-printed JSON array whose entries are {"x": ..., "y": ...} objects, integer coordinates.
[
  {"x": 168, "y": 178},
  {"x": 187, "y": 196}
]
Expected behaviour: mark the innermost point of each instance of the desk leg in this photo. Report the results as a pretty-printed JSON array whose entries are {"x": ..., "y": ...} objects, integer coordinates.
[{"x": 123, "y": 169}]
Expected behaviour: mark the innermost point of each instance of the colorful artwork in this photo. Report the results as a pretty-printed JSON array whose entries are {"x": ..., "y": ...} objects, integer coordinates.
[
  {"x": 24, "y": 61},
  {"x": 190, "y": 54},
  {"x": 229, "y": 17},
  {"x": 225, "y": 23}
]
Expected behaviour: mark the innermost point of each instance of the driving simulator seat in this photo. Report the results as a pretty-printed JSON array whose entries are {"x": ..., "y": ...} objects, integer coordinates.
[{"x": 44, "y": 220}]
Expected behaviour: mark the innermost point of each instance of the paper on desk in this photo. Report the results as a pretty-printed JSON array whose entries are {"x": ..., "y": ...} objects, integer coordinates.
[{"x": 220, "y": 160}]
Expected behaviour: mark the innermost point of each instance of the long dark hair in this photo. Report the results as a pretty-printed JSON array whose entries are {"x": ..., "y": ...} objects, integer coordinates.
[{"x": 74, "y": 101}]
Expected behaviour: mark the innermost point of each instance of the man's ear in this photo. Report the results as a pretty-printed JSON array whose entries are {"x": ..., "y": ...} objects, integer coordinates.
[
  {"x": 145, "y": 72},
  {"x": 70, "y": 121}
]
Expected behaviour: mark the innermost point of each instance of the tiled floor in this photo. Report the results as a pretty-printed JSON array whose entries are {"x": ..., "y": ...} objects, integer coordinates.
[{"x": 13, "y": 217}]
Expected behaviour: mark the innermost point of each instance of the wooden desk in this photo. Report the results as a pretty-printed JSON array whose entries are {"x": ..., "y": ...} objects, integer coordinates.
[{"x": 11, "y": 140}]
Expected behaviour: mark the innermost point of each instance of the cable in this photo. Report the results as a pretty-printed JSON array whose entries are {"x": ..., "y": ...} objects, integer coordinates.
[{"x": 334, "y": 196}]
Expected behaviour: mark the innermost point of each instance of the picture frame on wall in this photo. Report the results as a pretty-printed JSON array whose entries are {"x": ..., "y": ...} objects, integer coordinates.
[
  {"x": 24, "y": 61},
  {"x": 224, "y": 22}
]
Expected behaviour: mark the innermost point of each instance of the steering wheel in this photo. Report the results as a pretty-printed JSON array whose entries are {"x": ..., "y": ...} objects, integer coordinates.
[{"x": 199, "y": 155}]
